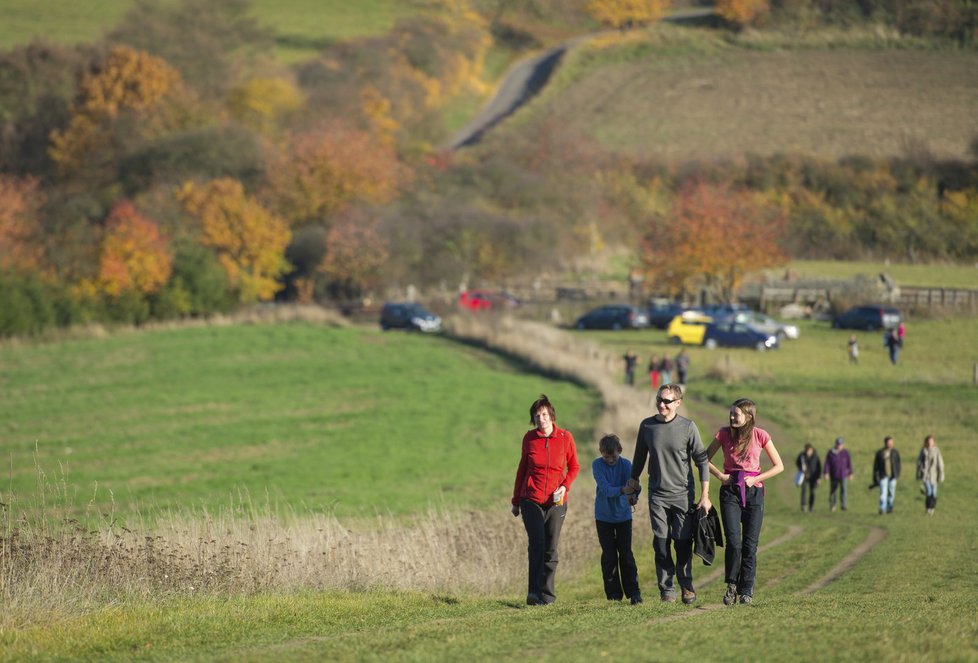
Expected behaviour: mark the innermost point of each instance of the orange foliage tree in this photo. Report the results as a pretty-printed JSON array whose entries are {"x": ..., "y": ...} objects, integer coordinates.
[
  {"x": 19, "y": 226},
  {"x": 249, "y": 240},
  {"x": 327, "y": 170},
  {"x": 624, "y": 14},
  {"x": 134, "y": 255},
  {"x": 129, "y": 80},
  {"x": 742, "y": 12},
  {"x": 713, "y": 236},
  {"x": 355, "y": 254}
]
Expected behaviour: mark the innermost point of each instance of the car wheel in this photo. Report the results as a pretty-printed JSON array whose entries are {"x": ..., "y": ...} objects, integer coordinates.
[
  {"x": 711, "y": 344},
  {"x": 760, "y": 347},
  {"x": 675, "y": 340},
  {"x": 616, "y": 326}
]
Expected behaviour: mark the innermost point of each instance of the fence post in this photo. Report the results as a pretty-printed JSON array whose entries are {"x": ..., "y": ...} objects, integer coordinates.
[{"x": 974, "y": 376}]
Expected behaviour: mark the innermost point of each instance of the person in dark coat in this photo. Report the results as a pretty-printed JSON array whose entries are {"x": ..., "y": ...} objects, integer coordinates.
[
  {"x": 886, "y": 471},
  {"x": 810, "y": 468}
]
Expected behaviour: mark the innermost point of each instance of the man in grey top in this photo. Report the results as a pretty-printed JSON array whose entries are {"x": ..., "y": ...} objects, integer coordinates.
[{"x": 672, "y": 445}]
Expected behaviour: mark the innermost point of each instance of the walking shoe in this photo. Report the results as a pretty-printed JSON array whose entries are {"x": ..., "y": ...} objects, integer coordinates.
[
  {"x": 832, "y": 508},
  {"x": 667, "y": 597},
  {"x": 745, "y": 600},
  {"x": 731, "y": 596},
  {"x": 534, "y": 599},
  {"x": 637, "y": 599},
  {"x": 689, "y": 596}
]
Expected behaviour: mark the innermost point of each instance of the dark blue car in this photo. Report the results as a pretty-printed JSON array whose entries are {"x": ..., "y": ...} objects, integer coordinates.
[{"x": 733, "y": 334}]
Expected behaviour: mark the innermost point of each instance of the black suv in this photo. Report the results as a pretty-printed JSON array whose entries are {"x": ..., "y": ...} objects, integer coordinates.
[
  {"x": 613, "y": 316},
  {"x": 868, "y": 317},
  {"x": 408, "y": 315}
]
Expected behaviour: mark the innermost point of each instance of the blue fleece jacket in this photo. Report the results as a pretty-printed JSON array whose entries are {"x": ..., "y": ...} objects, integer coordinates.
[{"x": 610, "y": 505}]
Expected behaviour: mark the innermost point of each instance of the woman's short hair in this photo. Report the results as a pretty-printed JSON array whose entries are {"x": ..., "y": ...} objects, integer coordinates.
[
  {"x": 543, "y": 401},
  {"x": 609, "y": 443}
]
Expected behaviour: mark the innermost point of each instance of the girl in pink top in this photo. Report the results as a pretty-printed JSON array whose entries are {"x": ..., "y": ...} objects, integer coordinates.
[{"x": 742, "y": 494}]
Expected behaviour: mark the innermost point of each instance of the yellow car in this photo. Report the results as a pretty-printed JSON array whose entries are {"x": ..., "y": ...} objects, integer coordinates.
[{"x": 688, "y": 328}]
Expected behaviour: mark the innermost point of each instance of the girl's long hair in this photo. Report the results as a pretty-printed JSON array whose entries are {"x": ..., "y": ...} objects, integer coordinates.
[{"x": 742, "y": 436}]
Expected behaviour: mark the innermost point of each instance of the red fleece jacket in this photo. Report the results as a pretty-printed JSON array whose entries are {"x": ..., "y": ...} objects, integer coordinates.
[{"x": 546, "y": 463}]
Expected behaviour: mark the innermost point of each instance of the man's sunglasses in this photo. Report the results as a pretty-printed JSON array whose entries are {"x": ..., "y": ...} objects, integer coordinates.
[{"x": 667, "y": 401}]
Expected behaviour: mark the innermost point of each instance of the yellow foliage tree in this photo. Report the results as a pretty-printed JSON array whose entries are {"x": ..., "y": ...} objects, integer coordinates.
[
  {"x": 134, "y": 255},
  {"x": 742, "y": 12},
  {"x": 249, "y": 240},
  {"x": 261, "y": 101},
  {"x": 624, "y": 14},
  {"x": 129, "y": 80}
]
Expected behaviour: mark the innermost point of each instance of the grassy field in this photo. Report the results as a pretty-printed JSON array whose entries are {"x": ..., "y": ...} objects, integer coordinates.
[
  {"x": 301, "y": 26},
  {"x": 910, "y": 597},
  {"x": 303, "y": 416},
  {"x": 679, "y": 94}
]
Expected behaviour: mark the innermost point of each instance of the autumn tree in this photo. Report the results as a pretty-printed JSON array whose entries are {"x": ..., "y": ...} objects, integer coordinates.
[
  {"x": 249, "y": 240},
  {"x": 624, "y": 14},
  {"x": 19, "y": 227},
  {"x": 128, "y": 81},
  {"x": 742, "y": 12},
  {"x": 134, "y": 255},
  {"x": 326, "y": 170},
  {"x": 355, "y": 254},
  {"x": 713, "y": 236}
]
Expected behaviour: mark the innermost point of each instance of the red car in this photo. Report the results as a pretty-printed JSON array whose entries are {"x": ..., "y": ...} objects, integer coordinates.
[{"x": 485, "y": 300}]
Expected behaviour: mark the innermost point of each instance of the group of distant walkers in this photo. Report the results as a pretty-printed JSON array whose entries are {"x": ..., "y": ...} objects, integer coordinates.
[
  {"x": 670, "y": 445},
  {"x": 886, "y": 470},
  {"x": 660, "y": 369},
  {"x": 892, "y": 341}
]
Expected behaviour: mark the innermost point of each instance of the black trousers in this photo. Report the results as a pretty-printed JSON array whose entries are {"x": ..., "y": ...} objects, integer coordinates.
[
  {"x": 542, "y": 525},
  {"x": 618, "y": 568},
  {"x": 742, "y": 530},
  {"x": 808, "y": 493}
]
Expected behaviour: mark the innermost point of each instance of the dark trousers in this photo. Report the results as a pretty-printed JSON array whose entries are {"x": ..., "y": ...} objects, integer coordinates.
[
  {"x": 543, "y": 533},
  {"x": 808, "y": 493},
  {"x": 838, "y": 486},
  {"x": 618, "y": 566},
  {"x": 666, "y": 569},
  {"x": 742, "y": 529}
]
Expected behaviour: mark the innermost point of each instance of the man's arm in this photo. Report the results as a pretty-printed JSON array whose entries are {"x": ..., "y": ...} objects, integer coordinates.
[
  {"x": 699, "y": 456},
  {"x": 640, "y": 455}
]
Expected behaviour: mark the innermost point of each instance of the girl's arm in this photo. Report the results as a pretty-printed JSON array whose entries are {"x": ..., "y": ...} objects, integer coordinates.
[
  {"x": 714, "y": 470},
  {"x": 777, "y": 467}
]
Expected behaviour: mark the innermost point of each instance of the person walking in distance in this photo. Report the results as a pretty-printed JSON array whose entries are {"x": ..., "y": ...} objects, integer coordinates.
[
  {"x": 930, "y": 470},
  {"x": 810, "y": 469},
  {"x": 742, "y": 494},
  {"x": 886, "y": 471},
  {"x": 853, "y": 349},
  {"x": 631, "y": 360},
  {"x": 548, "y": 466},
  {"x": 613, "y": 499},
  {"x": 682, "y": 367},
  {"x": 654, "y": 372},
  {"x": 672, "y": 446},
  {"x": 838, "y": 469}
]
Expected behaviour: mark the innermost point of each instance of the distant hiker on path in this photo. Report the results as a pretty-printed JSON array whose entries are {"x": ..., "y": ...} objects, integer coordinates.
[
  {"x": 613, "y": 500},
  {"x": 631, "y": 360},
  {"x": 853, "y": 349},
  {"x": 930, "y": 470},
  {"x": 886, "y": 471},
  {"x": 682, "y": 367},
  {"x": 810, "y": 470},
  {"x": 672, "y": 446},
  {"x": 742, "y": 495},
  {"x": 548, "y": 467},
  {"x": 837, "y": 468},
  {"x": 891, "y": 341}
]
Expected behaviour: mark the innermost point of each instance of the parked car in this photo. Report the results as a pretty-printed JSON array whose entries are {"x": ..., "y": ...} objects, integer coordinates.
[
  {"x": 688, "y": 328},
  {"x": 868, "y": 317},
  {"x": 662, "y": 312},
  {"x": 733, "y": 334},
  {"x": 484, "y": 300},
  {"x": 767, "y": 324},
  {"x": 408, "y": 315},
  {"x": 613, "y": 316}
]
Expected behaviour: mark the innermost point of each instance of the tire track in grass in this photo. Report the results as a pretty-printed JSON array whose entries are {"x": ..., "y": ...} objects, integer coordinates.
[{"x": 875, "y": 535}]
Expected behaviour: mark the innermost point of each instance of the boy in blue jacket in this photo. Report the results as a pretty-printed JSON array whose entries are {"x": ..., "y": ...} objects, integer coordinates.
[{"x": 613, "y": 502}]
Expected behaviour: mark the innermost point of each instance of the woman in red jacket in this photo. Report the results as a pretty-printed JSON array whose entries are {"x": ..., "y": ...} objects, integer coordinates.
[{"x": 548, "y": 467}]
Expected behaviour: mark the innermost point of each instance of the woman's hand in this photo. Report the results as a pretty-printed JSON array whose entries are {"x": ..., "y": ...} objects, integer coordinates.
[
  {"x": 516, "y": 509},
  {"x": 750, "y": 481},
  {"x": 559, "y": 495},
  {"x": 724, "y": 479}
]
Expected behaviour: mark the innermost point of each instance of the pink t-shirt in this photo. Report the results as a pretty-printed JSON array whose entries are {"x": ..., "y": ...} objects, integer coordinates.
[{"x": 751, "y": 461}]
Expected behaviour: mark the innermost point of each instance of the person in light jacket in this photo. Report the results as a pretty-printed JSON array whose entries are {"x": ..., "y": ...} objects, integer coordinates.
[{"x": 930, "y": 470}]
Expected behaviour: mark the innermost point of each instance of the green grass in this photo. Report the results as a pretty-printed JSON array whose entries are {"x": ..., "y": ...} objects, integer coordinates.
[
  {"x": 913, "y": 597},
  {"x": 924, "y": 275},
  {"x": 301, "y": 26},
  {"x": 302, "y": 416}
]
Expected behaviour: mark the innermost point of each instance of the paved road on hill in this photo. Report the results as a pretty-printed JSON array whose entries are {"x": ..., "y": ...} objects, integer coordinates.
[{"x": 527, "y": 77}]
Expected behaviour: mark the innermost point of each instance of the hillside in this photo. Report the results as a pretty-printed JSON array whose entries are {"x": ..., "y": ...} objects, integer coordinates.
[{"x": 674, "y": 94}]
